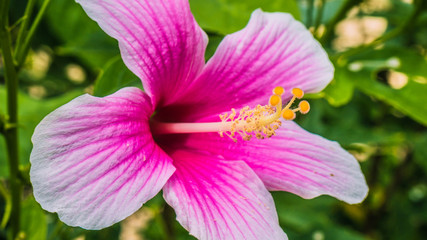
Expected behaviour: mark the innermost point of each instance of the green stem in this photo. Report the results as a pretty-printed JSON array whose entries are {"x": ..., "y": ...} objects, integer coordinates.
[
  {"x": 319, "y": 15},
  {"x": 24, "y": 25},
  {"x": 390, "y": 35},
  {"x": 8, "y": 207},
  {"x": 4, "y": 8},
  {"x": 11, "y": 131},
  {"x": 341, "y": 14},
  {"x": 2, "y": 123},
  {"x": 22, "y": 50},
  {"x": 310, "y": 9}
]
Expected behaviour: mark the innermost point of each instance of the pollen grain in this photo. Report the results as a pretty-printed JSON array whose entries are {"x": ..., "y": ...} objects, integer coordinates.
[
  {"x": 288, "y": 114},
  {"x": 278, "y": 91},
  {"x": 274, "y": 100},
  {"x": 298, "y": 93},
  {"x": 304, "y": 107}
]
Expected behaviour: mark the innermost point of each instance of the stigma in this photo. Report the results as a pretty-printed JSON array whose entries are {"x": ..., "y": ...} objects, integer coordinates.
[{"x": 261, "y": 121}]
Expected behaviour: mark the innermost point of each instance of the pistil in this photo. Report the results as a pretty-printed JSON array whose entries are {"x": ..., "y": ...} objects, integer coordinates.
[{"x": 261, "y": 121}]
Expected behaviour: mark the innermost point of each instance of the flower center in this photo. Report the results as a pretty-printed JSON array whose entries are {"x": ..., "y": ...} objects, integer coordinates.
[{"x": 261, "y": 121}]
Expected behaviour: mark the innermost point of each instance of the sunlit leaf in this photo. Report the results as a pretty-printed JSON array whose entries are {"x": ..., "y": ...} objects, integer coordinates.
[
  {"x": 227, "y": 16},
  {"x": 410, "y": 99}
]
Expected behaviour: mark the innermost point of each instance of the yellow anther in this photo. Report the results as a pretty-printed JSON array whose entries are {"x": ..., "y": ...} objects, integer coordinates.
[
  {"x": 274, "y": 100},
  {"x": 288, "y": 114},
  {"x": 278, "y": 91},
  {"x": 304, "y": 107},
  {"x": 298, "y": 93},
  {"x": 262, "y": 121}
]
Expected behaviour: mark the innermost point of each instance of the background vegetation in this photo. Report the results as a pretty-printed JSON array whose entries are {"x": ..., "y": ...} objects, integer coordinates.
[{"x": 376, "y": 107}]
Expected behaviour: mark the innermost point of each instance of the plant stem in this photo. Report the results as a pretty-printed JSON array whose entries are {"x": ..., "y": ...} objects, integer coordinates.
[
  {"x": 2, "y": 123},
  {"x": 319, "y": 15},
  {"x": 4, "y": 8},
  {"x": 11, "y": 131},
  {"x": 22, "y": 50},
  {"x": 310, "y": 9},
  {"x": 24, "y": 25},
  {"x": 8, "y": 207}
]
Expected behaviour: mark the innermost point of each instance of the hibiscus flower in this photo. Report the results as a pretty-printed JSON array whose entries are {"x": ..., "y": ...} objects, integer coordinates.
[{"x": 95, "y": 160}]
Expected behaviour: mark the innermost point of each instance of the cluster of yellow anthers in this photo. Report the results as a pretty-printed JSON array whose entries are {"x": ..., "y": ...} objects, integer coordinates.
[{"x": 263, "y": 121}]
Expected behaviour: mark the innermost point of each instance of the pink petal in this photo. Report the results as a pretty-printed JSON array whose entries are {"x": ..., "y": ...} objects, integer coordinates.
[
  {"x": 272, "y": 50},
  {"x": 160, "y": 42},
  {"x": 217, "y": 199},
  {"x": 94, "y": 160},
  {"x": 295, "y": 161}
]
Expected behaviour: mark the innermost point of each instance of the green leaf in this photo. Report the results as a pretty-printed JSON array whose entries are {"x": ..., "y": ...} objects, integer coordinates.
[
  {"x": 214, "y": 41},
  {"x": 336, "y": 232},
  {"x": 94, "y": 49},
  {"x": 306, "y": 218},
  {"x": 302, "y": 215},
  {"x": 80, "y": 35},
  {"x": 232, "y": 15},
  {"x": 411, "y": 98},
  {"x": 67, "y": 18},
  {"x": 114, "y": 76},
  {"x": 31, "y": 112},
  {"x": 340, "y": 91},
  {"x": 347, "y": 124},
  {"x": 33, "y": 220}
]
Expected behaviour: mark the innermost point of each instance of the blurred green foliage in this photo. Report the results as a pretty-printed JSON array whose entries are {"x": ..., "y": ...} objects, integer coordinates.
[
  {"x": 114, "y": 76},
  {"x": 32, "y": 111},
  {"x": 376, "y": 107}
]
